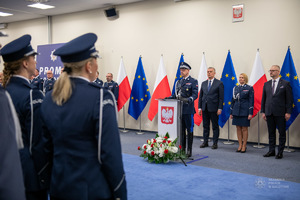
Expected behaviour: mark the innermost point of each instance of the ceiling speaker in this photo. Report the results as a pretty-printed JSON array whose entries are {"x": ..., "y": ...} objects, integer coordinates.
[{"x": 111, "y": 13}]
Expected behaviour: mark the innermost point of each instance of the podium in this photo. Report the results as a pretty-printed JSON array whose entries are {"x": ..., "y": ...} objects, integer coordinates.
[{"x": 169, "y": 118}]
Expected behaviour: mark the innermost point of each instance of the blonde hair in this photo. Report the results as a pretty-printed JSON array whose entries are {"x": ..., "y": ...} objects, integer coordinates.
[
  {"x": 11, "y": 68},
  {"x": 62, "y": 89},
  {"x": 245, "y": 77}
]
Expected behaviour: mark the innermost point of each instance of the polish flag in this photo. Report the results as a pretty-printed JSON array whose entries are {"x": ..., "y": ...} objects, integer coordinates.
[
  {"x": 124, "y": 86},
  {"x": 161, "y": 89},
  {"x": 201, "y": 77},
  {"x": 257, "y": 80}
]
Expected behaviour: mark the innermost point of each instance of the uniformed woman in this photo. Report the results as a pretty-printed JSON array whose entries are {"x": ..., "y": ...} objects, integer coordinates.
[
  {"x": 241, "y": 110},
  {"x": 80, "y": 119},
  {"x": 19, "y": 66}
]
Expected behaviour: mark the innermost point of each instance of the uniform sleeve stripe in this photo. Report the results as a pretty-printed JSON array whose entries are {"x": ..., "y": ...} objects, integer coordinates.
[
  {"x": 100, "y": 125},
  {"x": 31, "y": 125},
  {"x": 121, "y": 182}
]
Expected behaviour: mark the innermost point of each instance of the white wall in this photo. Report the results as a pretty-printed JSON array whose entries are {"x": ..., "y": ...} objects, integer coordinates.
[{"x": 158, "y": 27}]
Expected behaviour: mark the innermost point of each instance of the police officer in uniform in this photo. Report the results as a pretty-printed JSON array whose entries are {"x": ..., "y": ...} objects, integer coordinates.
[
  {"x": 37, "y": 81},
  {"x": 49, "y": 82},
  {"x": 112, "y": 85},
  {"x": 19, "y": 66},
  {"x": 97, "y": 80},
  {"x": 81, "y": 126},
  {"x": 187, "y": 91}
]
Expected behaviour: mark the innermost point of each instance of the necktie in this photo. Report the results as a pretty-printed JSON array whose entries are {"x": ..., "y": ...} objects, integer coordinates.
[
  {"x": 209, "y": 85},
  {"x": 273, "y": 87}
]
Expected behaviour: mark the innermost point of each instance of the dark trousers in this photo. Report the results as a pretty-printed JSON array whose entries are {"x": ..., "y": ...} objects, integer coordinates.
[
  {"x": 187, "y": 125},
  {"x": 272, "y": 122},
  {"x": 37, "y": 195},
  {"x": 214, "y": 118}
]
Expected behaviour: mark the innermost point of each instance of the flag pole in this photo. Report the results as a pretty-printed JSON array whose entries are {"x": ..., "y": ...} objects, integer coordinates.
[
  {"x": 228, "y": 142},
  {"x": 288, "y": 143},
  {"x": 140, "y": 132},
  {"x": 124, "y": 130},
  {"x": 258, "y": 135}
]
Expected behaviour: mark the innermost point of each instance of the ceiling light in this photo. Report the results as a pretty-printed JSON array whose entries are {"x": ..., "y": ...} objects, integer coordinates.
[
  {"x": 41, "y": 6},
  {"x": 3, "y": 14}
]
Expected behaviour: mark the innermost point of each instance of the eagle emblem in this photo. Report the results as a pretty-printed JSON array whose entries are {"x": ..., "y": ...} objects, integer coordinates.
[{"x": 167, "y": 115}]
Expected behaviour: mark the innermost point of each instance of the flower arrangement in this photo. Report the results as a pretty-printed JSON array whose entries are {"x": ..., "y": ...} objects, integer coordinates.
[{"x": 162, "y": 149}]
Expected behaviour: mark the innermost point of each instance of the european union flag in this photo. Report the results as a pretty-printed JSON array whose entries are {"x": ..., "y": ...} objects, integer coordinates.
[
  {"x": 229, "y": 80},
  {"x": 178, "y": 76},
  {"x": 288, "y": 73},
  {"x": 140, "y": 94}
]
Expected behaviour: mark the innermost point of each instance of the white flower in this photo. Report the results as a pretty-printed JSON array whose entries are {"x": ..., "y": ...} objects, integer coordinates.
[{"x": 159, "y": 140}]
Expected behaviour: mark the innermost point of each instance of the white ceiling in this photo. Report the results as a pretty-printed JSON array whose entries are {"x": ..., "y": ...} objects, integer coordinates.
[{"x": 21, "y": 11}]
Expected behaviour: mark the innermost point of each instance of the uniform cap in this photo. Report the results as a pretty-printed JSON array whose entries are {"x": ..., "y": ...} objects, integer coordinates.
[
  {"x": 78, "y": 49},
  {"x": 184, "y": 65},
  {"x": 17, "y": 49}
]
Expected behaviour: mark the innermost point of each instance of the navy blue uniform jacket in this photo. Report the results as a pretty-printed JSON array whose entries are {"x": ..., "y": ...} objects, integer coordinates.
[
  {"x": 99, "y": 82},
  {"x": 188, "y": 88},
  {"x": 27, "y": 101},
  {"x": 87, "y": 159},
  {"x": 38, "y": 82},
  {"x": 11, "y": 178},
  {"x": 242, "y": 101},
  {"x": 113, "y": 87},
  {"x": 48, "y": 85},
  {"x": 211, "y": 100},
  {"x": 279, "y": 103}
]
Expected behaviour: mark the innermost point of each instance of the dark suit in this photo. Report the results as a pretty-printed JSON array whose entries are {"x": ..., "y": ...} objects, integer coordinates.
[
  {"x": 275, "y": 107},
  {"x": 210, "y": 102}
]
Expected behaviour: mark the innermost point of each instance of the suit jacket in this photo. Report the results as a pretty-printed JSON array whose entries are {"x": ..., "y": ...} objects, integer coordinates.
[
  {"x": 242, "y": 101},
  {"x": 211, "y": 100},
  {"x": 84, "y": 138},
  {"x": 281, "y": 102}
]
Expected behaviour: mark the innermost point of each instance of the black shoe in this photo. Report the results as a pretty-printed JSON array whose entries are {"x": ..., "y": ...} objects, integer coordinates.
[
  {"x": 214, "y": 146},
  {"x": 279, "y": 156},
  {"x": 189, "y": 153},
  {"x": 244, "y": 151},
  {"x": 270, "y": 153},
  {"x": 238, "y": 150},
  {"x": 203, "y": 145}
]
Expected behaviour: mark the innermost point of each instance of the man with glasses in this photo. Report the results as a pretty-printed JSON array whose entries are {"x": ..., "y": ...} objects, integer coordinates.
[
  {"x": 276, "y": 108},
  {"x": 112, "y": 85},
  {"x": 49, "y": 82}
]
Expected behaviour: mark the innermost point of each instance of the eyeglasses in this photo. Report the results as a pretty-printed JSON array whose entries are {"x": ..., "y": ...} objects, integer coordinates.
[{"x": 273, "y": 70}]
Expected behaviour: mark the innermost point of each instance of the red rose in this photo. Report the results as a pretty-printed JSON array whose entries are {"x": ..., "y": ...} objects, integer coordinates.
[
  {"x": 145, "y": 147},
  {"x": 145, "y": 152},
  {"x": 160, "y": 145},
  {"x": 154, "y": 140},
  {"x": 164, "y": 141},
  {"x": 139, "y": 148},
  {"x": 152, "y": 145},
  {"x": 152, "y": 153},
  {"x": 180, "y": 147},
  {"x": 166, "y": 151},
  {"x": 166, "y": 137},
  {"x": 169, "y": 141}
]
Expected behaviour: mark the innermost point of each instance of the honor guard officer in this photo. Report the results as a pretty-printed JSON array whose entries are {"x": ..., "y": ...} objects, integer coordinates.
[
  {"x": 19, "y": 66},
  {"x": 81, "y": 124},
  {"x": 37, "y": 81},
  {"x": 187, "y": 91},
  {"x": 97, "y": 80},
  {"x": 49, "y": 82},
  {"x": 112, "y": 85}
]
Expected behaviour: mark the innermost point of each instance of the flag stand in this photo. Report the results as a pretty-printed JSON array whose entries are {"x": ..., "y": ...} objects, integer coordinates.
[
  {"x": 288, "y": 144},
  {"x": 228, "y": 142},
  {"x": 258, "y": 136},
  {"x": 140, "y": 132},
  {"x": 124, "y": 130}
]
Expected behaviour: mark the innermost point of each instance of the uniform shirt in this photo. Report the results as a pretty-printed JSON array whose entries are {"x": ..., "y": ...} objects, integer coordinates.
[
  {"x": 113, "y": 87},
  {"x": 87, "y": 162},
  {"x": 27, "y": 101},
  {"x": 99, "y": 82},
  {"x": 242, "y": 101},
  {"x": 48, "y": 85},
  {"x": 38, "y": 82}
]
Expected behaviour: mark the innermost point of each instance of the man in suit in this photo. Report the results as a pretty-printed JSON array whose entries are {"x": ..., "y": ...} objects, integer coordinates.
[
  {"x": 210, "y": 106},
  {"x": 112, "y": 85},
  {"x": 276, "y": 109},
  {"x": 187, "y": 91},
  {"x": 49, "y": 82}
]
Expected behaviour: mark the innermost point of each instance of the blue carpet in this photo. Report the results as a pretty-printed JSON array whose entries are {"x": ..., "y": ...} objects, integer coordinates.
[{"x": 176, "y": 181}]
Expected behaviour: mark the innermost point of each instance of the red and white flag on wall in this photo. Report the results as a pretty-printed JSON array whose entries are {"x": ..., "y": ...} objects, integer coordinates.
[
  {"x": 201, "y": 77},
  {"x": 161, "y": 89},
  {"x": 257, "y": 80},
  {"x": 124, "y": 86}
]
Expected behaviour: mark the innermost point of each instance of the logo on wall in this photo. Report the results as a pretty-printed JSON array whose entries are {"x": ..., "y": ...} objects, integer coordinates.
[
  {"x": 167, "y": 115},
  {"x": 238, "y": 13},
  {"x": 47, "y": 61}
]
